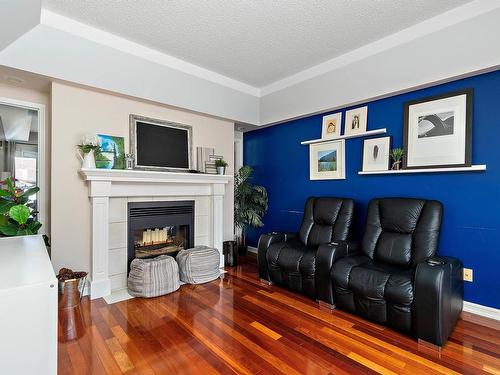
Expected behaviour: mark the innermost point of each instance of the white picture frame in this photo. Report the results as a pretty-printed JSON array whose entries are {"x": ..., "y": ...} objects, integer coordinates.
[
  {"x": 333, "y": 165},
  {"x": 376, "y": 154},
  {"x": 331, "y": 126},
  {"x": 356, "y": 120}
]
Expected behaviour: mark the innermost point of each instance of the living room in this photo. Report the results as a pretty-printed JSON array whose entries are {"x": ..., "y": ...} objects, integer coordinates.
[{"x": 249, "y": 187}]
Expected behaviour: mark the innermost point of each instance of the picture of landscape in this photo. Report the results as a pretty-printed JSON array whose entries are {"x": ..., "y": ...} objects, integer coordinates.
[
  {"x": 112, "y": 152},
  {"x": 327, "y": 161}
]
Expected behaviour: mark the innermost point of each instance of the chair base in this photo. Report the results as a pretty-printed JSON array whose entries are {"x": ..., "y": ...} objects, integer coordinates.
[
  {"x": 429, "y": 345},
  {"x": 326, "y": 305},
  {"x": 264, "y": 281}
]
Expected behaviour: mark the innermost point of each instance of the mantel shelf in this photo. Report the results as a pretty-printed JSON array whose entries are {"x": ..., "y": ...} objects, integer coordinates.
[
  {"x": 365, "y": 134},
  {"x": 472, "y": 168}
]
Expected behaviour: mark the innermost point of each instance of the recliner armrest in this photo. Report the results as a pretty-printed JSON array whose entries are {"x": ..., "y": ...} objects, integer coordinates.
[
  {"x": 326, "y": 256},
  {"x": 438, "y": 298},
  {"x": 266, "y": 240}
]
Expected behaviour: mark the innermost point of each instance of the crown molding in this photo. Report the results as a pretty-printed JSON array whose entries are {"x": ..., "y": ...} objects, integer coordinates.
[
  {"x": 71, "y": 26},
  {"x": 429, "y": 26}
]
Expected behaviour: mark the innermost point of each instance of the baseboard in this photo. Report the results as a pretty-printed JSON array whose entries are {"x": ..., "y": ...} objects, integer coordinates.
[
  {"x": 252, "y": 249},
  {"x": 484, "y": 311}
]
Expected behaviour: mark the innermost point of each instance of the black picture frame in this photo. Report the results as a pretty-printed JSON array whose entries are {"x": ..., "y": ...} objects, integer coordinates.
[
  {"x": 363, "y": 152},
  {"x": 468, "y": 128}
]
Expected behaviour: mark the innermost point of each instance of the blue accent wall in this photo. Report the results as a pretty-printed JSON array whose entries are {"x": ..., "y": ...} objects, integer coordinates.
[{"x": 471, "y": 223}]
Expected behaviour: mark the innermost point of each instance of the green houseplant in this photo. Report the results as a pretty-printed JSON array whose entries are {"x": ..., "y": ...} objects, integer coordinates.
[
  {"x": 250, "y": 204},
  {"x": 397, "y": 156},
  {"x": 16, "y": 213},
  {"x": 221, "y": 165}
]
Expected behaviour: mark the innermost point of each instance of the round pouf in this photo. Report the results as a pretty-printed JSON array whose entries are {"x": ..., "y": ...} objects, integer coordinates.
[
  {"x": 198, "y": 265},
  {"x": 153, "y": 277}
]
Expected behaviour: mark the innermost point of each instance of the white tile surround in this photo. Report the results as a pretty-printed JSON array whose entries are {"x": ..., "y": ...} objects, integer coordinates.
[{"x": 111, "y": 190}]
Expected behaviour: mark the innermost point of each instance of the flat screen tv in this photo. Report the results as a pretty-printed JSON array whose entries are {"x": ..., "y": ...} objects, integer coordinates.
[{"x": 158, "y": 144}]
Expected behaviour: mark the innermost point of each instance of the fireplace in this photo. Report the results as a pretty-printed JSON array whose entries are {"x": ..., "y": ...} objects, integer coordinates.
[{"x": 158, "y": 228}]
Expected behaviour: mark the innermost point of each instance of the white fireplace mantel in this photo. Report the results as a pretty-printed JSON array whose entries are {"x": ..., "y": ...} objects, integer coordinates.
[{"x": 112, "y": 183}]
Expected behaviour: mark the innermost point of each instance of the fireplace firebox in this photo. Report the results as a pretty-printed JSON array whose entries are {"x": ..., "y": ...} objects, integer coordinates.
[{"x": 158, "y": 228}]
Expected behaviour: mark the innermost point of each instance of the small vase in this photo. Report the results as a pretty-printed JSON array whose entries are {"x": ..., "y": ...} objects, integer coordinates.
[
  {"x": 221, "y": 170},
  {"x": 88, "y": 160}
]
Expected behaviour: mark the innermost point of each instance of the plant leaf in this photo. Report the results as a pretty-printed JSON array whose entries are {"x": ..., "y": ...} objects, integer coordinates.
[
  {"x": 29, "y": 192},
  {"x": 20, "y": 213},
  {"x": 10, "y": 186},
  {"x": 4, "y": 193},
  {"x": 9, "y": 229}
]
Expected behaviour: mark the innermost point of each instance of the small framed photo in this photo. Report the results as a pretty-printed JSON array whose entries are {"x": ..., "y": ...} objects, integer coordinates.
[
  {"x": 331, "y": 126},
  {"x": 376, "y": 154},
  {"x": 355, "y": 121},
  {"x": 327, "y": 160},
  {"x": 438, "y": 131}
]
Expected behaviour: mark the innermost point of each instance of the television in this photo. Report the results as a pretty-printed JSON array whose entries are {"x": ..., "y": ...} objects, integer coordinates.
[{"x": 159, "y": 144}]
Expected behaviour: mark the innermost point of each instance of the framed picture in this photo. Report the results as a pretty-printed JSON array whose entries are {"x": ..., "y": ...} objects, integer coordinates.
[
  {"x": 355, "y": 121},
  {"x": 331, "y": 126},
  {"x": 112, "y": 152},
  {"x": 376, "y": 154},
  {"x": 327, "y": 160},
  {"x": 438, "y": 131}
]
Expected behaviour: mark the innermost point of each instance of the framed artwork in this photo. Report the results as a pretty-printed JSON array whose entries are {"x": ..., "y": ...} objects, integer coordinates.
[
  {"x": 355, "y": 121},
  {"x": 331, "y": 126},
  {"x": 438, "y": 131},
  {"x": 327, "y": 160},
  {"x": 376, "y": 154},
  {"x": 112, "y": 152}
]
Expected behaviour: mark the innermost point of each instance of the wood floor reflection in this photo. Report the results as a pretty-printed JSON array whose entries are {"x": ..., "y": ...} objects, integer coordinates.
[{"x": 238, "y": 325}]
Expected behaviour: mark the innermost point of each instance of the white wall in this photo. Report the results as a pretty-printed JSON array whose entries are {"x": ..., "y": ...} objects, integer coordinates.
[
  {"x": 38, "y": 97},
  {"x": 78, "y": 111}
]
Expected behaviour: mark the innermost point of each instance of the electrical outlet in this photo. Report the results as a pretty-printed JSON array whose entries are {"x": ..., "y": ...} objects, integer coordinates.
[{"x": 468, "y": 274}]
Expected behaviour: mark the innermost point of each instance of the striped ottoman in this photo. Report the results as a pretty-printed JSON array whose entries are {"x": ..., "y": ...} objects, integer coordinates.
[
  {"x": 153, "y": 277},
  {"x": 198, "y": 265}
]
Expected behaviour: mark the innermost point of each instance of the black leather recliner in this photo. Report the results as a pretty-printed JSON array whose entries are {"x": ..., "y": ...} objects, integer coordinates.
[
  {"x": 395, "y": 277},
  {"x": 290, "y": 259}
]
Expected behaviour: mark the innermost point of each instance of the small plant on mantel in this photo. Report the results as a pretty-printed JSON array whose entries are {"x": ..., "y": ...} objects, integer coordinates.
[
  {"x": 397, "y": 156},
  {"x": 220, "y": 163},
  {"x": 16, "y": 214}
]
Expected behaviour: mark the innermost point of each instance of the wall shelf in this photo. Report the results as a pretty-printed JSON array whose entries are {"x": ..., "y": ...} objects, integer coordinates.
[
  {"x": 365, "y": 134},
  {"x": 472, "y": 168}
]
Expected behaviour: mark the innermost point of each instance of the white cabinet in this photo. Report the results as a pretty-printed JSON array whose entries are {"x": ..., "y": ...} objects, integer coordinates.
[{"x": 28, "y": 308}]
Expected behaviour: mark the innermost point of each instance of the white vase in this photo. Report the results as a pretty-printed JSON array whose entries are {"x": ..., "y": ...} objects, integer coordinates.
[{"x": 88, "y": 160}]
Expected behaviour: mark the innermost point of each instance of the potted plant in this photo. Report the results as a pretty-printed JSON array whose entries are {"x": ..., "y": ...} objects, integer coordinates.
[
  {"x": 250, "y": 205},
  {"x": 397, "y": 156},
  {"x": 71, "y": 285},
  {"x": 16, "y": 214},
  {"x": 89, "y": 147},
  {"x": 221, "y": 165}
]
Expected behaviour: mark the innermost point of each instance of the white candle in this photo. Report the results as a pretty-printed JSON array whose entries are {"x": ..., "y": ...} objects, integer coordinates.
[
  {"x": 148, "y": 235},
  {"x": 157, "y": 235}
]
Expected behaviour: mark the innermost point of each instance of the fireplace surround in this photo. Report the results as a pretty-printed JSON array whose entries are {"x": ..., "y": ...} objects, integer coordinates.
[{"x": 127, "y": 186}]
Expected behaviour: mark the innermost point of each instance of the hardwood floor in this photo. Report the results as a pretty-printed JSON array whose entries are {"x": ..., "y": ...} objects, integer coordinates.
[{"x": 238, "y": 325}]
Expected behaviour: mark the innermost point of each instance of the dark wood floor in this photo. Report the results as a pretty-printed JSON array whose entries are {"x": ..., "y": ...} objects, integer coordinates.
[{"x": 238, "y": 325}]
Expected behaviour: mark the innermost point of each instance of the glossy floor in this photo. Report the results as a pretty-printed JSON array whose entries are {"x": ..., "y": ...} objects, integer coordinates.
[{"x": 238, "y": 325}]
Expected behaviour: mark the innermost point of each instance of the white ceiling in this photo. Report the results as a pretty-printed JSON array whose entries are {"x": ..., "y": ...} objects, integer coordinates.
[{"x": 256, "y": 41}]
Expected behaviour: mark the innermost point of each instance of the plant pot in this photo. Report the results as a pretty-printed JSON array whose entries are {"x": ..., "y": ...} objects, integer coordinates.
[
  {"x": 230, "y": 249},
  {"x": 70, "y": 292},
  {"x": 221, "y": 170},
  {"x": 396, "y": 166},
  {"x": 242, "y": 250},
  {"x": 88, "y": 160}
]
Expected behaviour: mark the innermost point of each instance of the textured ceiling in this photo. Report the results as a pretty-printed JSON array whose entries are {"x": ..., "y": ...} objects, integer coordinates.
[{"x": 254, "y": 41}]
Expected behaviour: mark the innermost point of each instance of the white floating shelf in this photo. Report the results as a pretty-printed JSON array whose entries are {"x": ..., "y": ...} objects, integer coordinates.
[
  {"x": 365, "y": 134},
  {"x": 472, "y": 168}
]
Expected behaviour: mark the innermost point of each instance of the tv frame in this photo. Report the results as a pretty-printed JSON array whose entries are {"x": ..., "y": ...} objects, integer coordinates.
[{"x": 133, "y": 141}]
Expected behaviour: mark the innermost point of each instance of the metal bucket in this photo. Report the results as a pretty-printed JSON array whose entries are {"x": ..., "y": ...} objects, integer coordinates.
[{"x": 70, "y": 292}]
